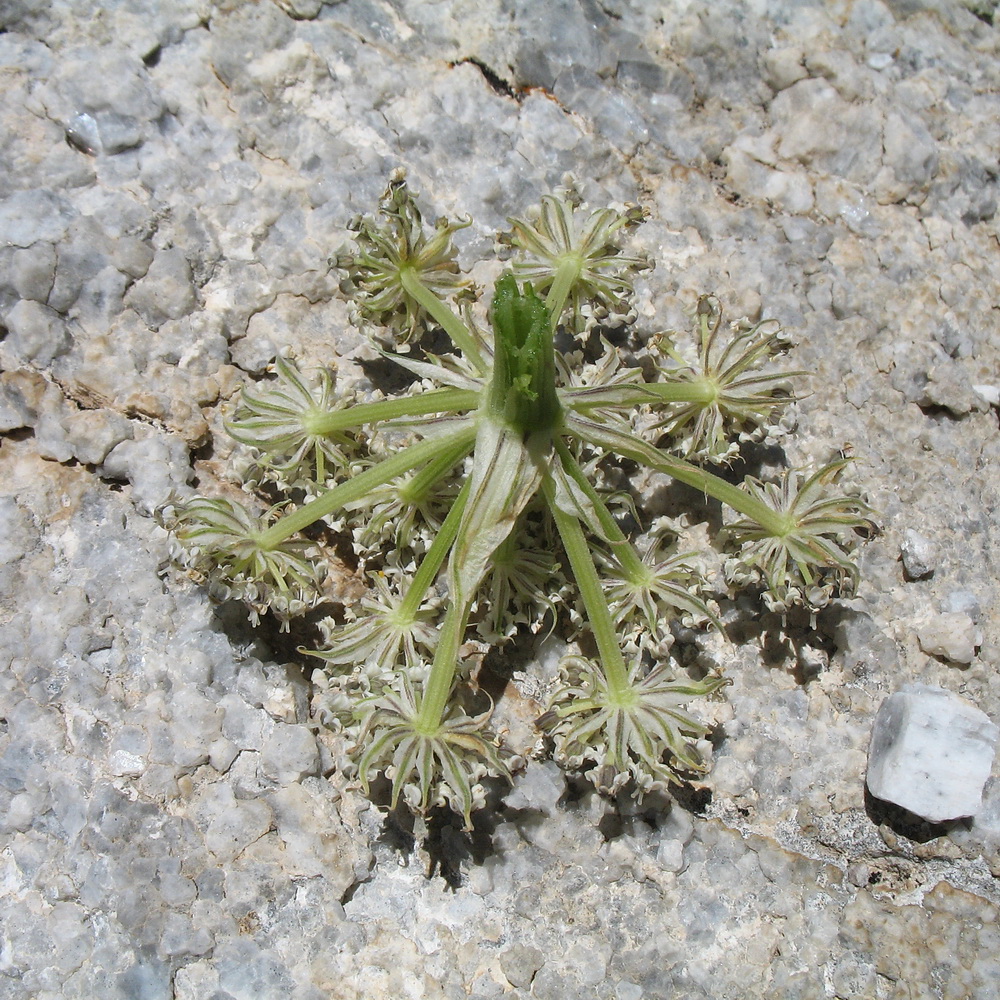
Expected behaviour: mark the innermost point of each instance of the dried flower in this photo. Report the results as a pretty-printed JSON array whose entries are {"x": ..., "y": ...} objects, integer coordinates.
[
  {"x": 803, "y": 555},
  {"x": 224, "y": 545},
  {"x": 427, "y": 765},
  {"x": 726, "y": 396},
  {"x": 397, "y": 268},
  {"x": 638, "y": 732},
  {"x": 578, "y": 259},
  {"x": 287, "y": 420}
]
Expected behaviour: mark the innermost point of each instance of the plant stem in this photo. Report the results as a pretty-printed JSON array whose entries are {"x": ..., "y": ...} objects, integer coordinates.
[
  {"x": 418, "y": 488},
  {"x": 582, "y": 399},
  {"x": 356, "y": 488},
  {"x": 629, "y": 560},
  {"x": 629, "y": 446},
  {"x": 442, "y": 675},
  {"x": 442, "y": 313},
  {"x": 598, "y": 613},
  {"x": 504, "y": 479},
  {"x": 435, "y": 401},
  {"x": 698, "y": 390},
  {"x": 434, "y": 558}
]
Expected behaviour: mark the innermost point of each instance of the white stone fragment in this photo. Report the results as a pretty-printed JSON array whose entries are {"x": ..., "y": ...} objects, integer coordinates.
[
  {"x": 222, "y": 753},
  {"x": 234, "y": 824},
  {"x": 990, "y": 393},
  {"x": 21, "y": 812},
  {"x": 128, "y": 752},
  {"x": 910, "y": 156},
  {"x": 783, "y": 67},
  {"x": 953, "y": 636},
  {"x": 964, "y": 601},
  {"x": 540, "y": 787},
  {"x": 789, "y": 190},
  {"x": 919, "y": 554},
  {"x": 731, "y": 777},
  {"x": 289, "y": 754},
  {"x": 670, "y": 855},
  {"x": 166, "y": 291},
  {"x": 35, "y": 333},
  {"x": 880, "y": 60},
  {"x": 931, "y": 753},
  {"x": 179, "y": 937},
  {"x": 155, "y": 462}
]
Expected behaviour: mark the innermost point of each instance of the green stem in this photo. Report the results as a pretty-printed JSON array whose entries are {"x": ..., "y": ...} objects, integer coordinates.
[
  {"x": 567, "y": 274},
  {"x": 584, "y": 399},
  {"x": 434, "y": 558},
  {"x": 438, "y": 686},
  {"x": 356, "y": 488},
  {"x": 503, "y": 481},
  {"x": 632, "y": 447},
  {"x": 629, "y": 560},
  {"x": 418, "y": 488},
  {"x": 442, "y": 313},
  {"x": 598, "y": 613},
  {"x": 699, "y": 390},
  {"x": 435, "y": 401}
]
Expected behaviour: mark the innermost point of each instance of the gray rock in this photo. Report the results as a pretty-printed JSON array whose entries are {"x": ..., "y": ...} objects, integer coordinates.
[
  {"x": 820, "y": 129},
  {"x": 29, "y": 217},
  {"x": 166, "y": 291},
  {"x": 65, "y": 432},
  {"x": 919, "y": 554},
  {"x": 233, "y": 824},
  {"x": 154, "y": 462},
  {"x": 783, "y": 66},
  {"x": 36, "y": 334},
  {"x": 952, "y": 635},
  {"x": 289, "y": 754},
  {"x": 31, "y": 271},
  {"x": 749, "y": 173},
  {"x": 964, "y": 601},
  {"x": 520, "y": 963},
  {"x": 539, "y": 787},
  {"x": 723, "y": 119},
  {"x": 555, "y": 36},
  {"x": 910, "y": 157},
  {"x": 106, "y": 132},
  {"x": 612, "y": 115},
  {"x": 931, "y": 753}
]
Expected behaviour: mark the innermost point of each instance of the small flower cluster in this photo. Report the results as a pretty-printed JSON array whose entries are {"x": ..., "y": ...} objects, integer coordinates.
[{"x": 477, "y": 507}]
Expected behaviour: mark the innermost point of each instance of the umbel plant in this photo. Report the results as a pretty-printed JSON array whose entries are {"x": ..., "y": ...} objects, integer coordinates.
[{"x": 476, "y": 503}]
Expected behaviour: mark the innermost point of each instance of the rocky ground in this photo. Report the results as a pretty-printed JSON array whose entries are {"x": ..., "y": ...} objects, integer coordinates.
[{"x": 175, "y": 176}]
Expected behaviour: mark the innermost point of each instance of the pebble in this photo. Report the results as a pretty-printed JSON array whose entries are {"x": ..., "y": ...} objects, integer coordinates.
[
  {"x": 104, "y": 133},
  {"x": 539, "y": 787},
  {"x": 166, "y": 291},
  {"x": 919, "y": 555},
  {"x": 36, "y": 334},
  {"x": 155, "y": 462},
  {"x": 952, "y": 635},
  {"x": 931, "y": 753},
  {"x": 33, "y": 216},
  {"x": 289, "y": 754}
]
